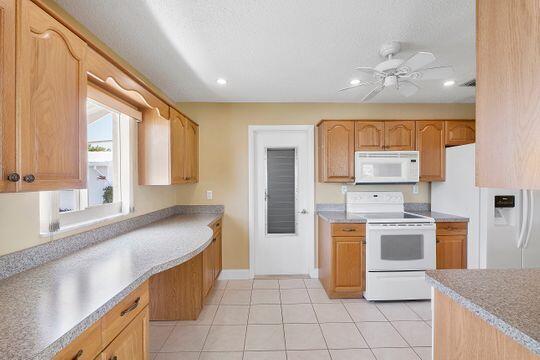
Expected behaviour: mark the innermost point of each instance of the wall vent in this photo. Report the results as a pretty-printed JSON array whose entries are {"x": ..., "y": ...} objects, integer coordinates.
[{"x": 470, "y": 83}]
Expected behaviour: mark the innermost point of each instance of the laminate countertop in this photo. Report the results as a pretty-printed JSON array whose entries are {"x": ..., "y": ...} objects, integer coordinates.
[
  {"x": 506, "y": 299},
  {"x": 342, "y": 217},
  {"x": 45, "y": 308}
]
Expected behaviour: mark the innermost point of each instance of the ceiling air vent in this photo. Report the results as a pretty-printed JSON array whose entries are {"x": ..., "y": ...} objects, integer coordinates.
[{"x": 470, "y": 83}]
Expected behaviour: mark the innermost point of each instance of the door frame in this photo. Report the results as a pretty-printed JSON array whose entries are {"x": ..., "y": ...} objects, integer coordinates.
[{"x": 309, "y": 130}]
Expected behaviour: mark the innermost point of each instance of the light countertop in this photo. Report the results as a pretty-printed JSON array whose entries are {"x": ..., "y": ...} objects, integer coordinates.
[
  {"x": 45, "y": 308},
  {"x": 507, "y": 299}
]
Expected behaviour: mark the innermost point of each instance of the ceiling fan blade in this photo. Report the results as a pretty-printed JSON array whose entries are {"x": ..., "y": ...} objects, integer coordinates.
[
  {"x": 372, "y": 93},
  {"x": 418, "y": 60},
  {"x": 357, "y": 85},
  {"x": 407, "y": 88},
  {"x": 369, "y": 70},
  {"x": 436, "y": 73}
]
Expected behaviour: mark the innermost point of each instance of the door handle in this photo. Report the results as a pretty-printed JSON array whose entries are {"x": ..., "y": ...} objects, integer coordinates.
[{"x": 303, "y": 211}]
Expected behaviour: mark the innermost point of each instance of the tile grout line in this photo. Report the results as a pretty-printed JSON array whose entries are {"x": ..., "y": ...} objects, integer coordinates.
[
  {"x": 320, "y": 327},
  {"x": 392, "y": 325}
]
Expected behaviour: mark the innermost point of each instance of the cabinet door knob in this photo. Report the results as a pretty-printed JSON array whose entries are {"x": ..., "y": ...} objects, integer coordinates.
[
  {"x": 29, "y": 178},
  {"x": 14, "y": 177}
]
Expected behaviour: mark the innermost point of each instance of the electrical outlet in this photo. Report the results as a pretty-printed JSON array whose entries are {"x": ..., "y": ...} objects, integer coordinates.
[
  {"x": 343, "y": 189},
  {"x": 415, "y": 189},
  {"x": 209, "y": 194}
]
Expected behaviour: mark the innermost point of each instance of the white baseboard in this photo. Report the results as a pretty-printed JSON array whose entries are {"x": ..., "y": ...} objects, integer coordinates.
[
  {"x": 314, "y": 273},
  {"x": 235, "y": 274}
]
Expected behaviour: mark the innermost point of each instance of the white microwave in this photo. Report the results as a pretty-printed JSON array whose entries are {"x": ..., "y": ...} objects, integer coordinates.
[{"x": 382, "y": 167}]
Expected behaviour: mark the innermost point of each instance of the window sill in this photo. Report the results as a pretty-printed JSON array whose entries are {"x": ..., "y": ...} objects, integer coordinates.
[{"x": 84, "y": 226}]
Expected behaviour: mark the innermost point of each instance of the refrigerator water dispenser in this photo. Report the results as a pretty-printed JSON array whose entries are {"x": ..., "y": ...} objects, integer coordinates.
[{"x": 505, "y": 210}]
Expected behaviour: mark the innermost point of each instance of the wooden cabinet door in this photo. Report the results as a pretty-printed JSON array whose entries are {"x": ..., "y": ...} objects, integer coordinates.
[
  {"x": 7, "y": 94},
  {"x": 347, "y": 264},
  {"x": 51, "y": 100},
  {"x": 178, "y": 147},
  {"x": 218, "y": 257},
  {"x": 208, "y": 268},
  {"x": 132, "y": 342},
  {"x": 450, "y": 252},
  {"x": 369, "y": 135},
  {"x": 192, "y": 153},
  {"x": 336, "y": 151},
  {"x": 399, "y": 135},
  {"x": 430, "y": 144},
  {"x": 508, "y": 94},
  {"x": 459, "y": 132}
]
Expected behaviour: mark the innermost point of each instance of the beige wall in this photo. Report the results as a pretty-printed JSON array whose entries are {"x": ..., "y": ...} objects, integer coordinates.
[{"x": 224, "y": 154}]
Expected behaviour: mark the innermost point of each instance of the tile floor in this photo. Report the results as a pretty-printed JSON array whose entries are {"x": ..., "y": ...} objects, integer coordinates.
[{"x": 293, "y": 319}]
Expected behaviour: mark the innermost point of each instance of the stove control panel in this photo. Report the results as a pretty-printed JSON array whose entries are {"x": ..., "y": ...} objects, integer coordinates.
[{"x": 374, "y": 201}]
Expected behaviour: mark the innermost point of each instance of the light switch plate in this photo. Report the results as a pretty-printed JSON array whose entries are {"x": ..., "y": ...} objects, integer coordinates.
[
  {"x": 209, "y": 194},
  {"x": 343, "y": 189}
]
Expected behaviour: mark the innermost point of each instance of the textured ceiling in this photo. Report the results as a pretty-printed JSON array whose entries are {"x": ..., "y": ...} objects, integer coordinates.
[{"x": 281, "y": 50}]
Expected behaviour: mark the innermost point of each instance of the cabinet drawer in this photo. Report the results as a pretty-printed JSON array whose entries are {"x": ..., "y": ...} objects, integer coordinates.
[
  {"x": 85, "y": 347},
  {"x": 116, "y": 319},
  {"x": 348, "y": 230},
  {"x": 452, "y": 228}
]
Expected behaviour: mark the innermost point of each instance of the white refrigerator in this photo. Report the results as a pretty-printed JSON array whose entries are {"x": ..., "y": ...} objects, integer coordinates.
[{"x": 504, "y": 226}]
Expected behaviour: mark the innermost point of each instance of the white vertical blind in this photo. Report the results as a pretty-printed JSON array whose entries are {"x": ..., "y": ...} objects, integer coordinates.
[{"x": 281, "y": 191}]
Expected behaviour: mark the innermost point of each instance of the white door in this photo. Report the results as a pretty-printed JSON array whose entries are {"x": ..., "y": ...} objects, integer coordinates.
[{"x": 283, "y": 192}]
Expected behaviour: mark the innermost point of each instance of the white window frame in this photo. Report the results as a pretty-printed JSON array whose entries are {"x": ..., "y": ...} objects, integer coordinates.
[{"x": 52, "y": 220}]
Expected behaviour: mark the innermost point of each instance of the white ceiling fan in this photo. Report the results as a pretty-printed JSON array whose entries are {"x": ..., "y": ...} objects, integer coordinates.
[{"x": 400, "y": 73}]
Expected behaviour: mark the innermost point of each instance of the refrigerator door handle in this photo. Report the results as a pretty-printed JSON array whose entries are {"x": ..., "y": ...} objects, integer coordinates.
[
  {"x": 530, "y": 221},
  {"x": 524, "y": 217}
]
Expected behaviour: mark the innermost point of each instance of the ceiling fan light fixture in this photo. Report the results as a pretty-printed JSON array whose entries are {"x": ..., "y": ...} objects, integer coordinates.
[{"x": 448, "y": 83}]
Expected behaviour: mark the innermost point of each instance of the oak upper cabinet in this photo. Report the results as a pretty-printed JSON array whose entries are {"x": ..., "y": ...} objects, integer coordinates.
[
  {"x": 132, "y": 342},
  {"x": 168, "y": 149},
  {"x": 191, "y": 168},
  {"x": 430, "y": 140},
  {"x": 452, "y": 245},
  {"x": 336, "y": 151},
  {"x": 508, "y": 94},
  {"x": 369, "y": 135},
  {"x": 178, "y": 136},
  {"x": 7, "y": 94},
  {"x": 51, "y": 103},
  {"x": 399, "y": 135},
  {"x": 459, "y": 132}
]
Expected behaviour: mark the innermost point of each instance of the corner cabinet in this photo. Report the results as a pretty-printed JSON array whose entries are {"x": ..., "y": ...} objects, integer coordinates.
[
  {"x": 341, "y": 258},
  {"x": 336, "y": 151},
  {"x": 168, "y": 149},
  {"x": 430, "y": 140}
]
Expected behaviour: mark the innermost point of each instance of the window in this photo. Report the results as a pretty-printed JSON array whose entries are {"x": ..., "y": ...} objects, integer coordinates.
[{"x": 110, "y": 133}]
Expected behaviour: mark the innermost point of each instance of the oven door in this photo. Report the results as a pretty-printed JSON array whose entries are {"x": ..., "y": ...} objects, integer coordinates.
[{"x": 400, "y": 247}]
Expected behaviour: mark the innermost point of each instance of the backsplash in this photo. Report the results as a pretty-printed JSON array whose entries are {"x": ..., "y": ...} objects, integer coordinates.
[{"x": 414, "y": 207}]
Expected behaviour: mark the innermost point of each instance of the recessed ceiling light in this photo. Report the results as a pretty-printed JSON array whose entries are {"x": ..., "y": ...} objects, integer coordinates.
[
  {"x": 449, "y": 83},
  {"x": 354, "y": 82},
  {"x": 221, "y": 81}
]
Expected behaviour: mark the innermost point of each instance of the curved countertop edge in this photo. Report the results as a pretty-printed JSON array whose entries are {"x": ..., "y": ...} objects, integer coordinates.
[
  {"x": 50, "y": 351},
  {"x": 339, "y": 216},
  {"x": 507, "y": 329}
]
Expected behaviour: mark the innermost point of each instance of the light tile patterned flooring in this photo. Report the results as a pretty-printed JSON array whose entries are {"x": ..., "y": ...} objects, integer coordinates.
[{"x": 293, "y": 319}]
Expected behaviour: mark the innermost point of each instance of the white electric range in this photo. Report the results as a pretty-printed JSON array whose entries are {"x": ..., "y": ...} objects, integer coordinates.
[{"x": 400, "y": 246}]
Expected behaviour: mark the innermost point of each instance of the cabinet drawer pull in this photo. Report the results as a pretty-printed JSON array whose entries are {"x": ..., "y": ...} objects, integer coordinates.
[
  {"x": 114, "y": 357},
  {"x": 78, "y": 355},
  {"x": 131, "y": 307},
  {"x": 348, "y": 230},
  {"x": 214, "y": 239}
]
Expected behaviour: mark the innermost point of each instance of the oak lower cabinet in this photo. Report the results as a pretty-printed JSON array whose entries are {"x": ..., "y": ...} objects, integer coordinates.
[
  {"x": 430, "y": 143},
  {"x": 341, "y": 257},
  {"x": 452, "y": 245},
  {"x": 459, "y": 132},
  {"x": 212, "y": 258},
  {"x": 122, "y": 333},
  {"x": 336, "y": 151}
]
